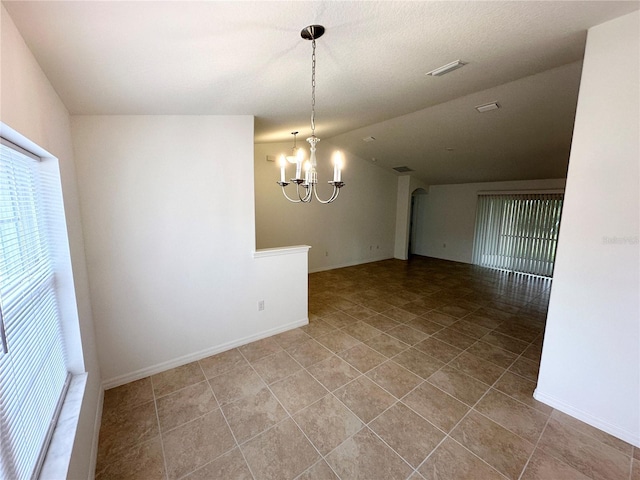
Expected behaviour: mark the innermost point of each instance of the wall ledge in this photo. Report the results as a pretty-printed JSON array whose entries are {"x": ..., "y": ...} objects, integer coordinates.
[{"x": 273, "y": 252}]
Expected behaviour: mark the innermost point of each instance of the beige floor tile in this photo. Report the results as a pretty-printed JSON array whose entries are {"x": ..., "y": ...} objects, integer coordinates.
[
  {"x": 533, "y": 352},
  {"x": 503, "y": 450},
  {"x": 386, "y": 345},
  {"x": 451, "y": 461},
  {"x": 337, "y": 341},
  {"x": 584, "y": 453},
  {"x": 513, "y": 415},
  {"x": 407, "y": 334},
  {"x": 253, "y": 414},
  {"x": 364, "y": 398},
  {"x": 454, "y": 310},
  {"x": 280, "y": 453},
  {"x": 333, "y": 372},
  {"x": 291, "y": 337},
  {"x": 465, "y": 388},
  {"x": 185, "y": 405},
  {"x": 483, "y": 321},
  {"x": 339, "y": 319},
  {"x": 476, "y": 367},
  {"x": 593, "y": 432},
  {"x": 140, "y": 462},
  {"x": 309, "y": 353},
  {"x": 256, "y": 350},
  {"x": 505, "y": 342},
  {"x": 425, "y": 325},
  {"x": 327, "y": 423},
  {"x": 196, "y": 443},
  {"x": 440, "y": 350},
  {"x": 522, "y": 390},
  {"x": 394, "y": 379},
  {"x": 230, "y": 466},
  {"x": 493, "y": 354},
  {"x": 454, "y": 337},
  {"x": 419, "y": 363},
  {"x": 360, "y": 312},
  {"x": 128, "y": 395},
  {"x": 525, "y": 368},
  {"x": 516, "y": 330},
  {"x": 438, "y": 407},
  {"x": 126, "y": 428},
  {"x": 298, "y": 391},
  {"x": 400, "y": 314},
  {"x": 317, "y": 328},
  {"x": 381, "y": 322},
  {"x": 410, "y": 435},
  {"x": 364, "y": 456},
  {"x": 177, "y": 378},
  {"x": 276, "y": 367},
  {"x": 236, "y": 383},
  {"x": 440, "y": 318},
  {"x": 319, "y": 471},
  {"x": 543, "y": 466},
  {"x": 361, "y": 330},
  {"x": 362, "y": 357},
  {"x": 470, "y": 329},
  {"x": 222, "y": 362}
]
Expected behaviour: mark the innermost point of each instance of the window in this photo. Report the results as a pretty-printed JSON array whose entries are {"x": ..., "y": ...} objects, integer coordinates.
[
  {"x": 518, "y": 232},
  {"x": 33, "y": 373}
]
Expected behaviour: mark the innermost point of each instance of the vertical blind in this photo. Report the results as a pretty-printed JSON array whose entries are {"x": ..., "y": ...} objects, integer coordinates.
[
  {"x": 33, "y": 373},
  {"x": 518, "y": 232}
]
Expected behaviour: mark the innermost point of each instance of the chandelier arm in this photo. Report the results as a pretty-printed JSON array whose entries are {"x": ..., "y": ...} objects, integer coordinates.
[
  {"x": 307, "y": 196},
  {"x": 288, "y": 198},
  {"x": 334, "y": 195}
]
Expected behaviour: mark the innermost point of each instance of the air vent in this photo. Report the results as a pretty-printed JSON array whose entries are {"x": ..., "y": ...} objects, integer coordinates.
[
  {"x": 403, "y": 169},
  {"x": 487, "y": 107},
  {"x": 368, "y": 139},
  {"x": 449, "y": 67}
]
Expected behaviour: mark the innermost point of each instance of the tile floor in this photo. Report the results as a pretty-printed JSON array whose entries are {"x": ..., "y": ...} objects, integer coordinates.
[{"x": 414, "y": 370}]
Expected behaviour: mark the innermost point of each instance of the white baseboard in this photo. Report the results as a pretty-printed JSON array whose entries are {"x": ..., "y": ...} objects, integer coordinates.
[
  {"x": 192, "y": 357},
  {"x": 630, "y": 437},
  {"x": 348, "y": 264}
]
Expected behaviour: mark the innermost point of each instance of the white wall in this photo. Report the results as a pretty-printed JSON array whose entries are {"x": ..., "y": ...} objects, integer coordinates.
[
  {"x": 169, "y": 229},
  {"x": 591, "y": 358},
  {"x": 447, "y": 216},
  {"x": 33, "y": 112},
  {"x": 357, "y": 228}
]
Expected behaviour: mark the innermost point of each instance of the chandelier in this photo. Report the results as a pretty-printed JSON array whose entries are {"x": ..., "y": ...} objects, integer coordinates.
[{"x": 310, "y": 180}]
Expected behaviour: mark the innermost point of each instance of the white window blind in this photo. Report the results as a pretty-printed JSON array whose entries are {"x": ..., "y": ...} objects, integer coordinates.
[
  {"x": 33, "y": 373},
  {"x": 518, "y": 232}
]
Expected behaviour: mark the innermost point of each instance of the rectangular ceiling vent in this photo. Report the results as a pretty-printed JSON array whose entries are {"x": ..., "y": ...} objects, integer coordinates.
[{"x": 403, "y": 169}]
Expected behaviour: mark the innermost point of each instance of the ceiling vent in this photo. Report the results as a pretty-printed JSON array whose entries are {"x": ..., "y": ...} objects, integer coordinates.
[
  {"x": 403, "y": 169},
  {"x": 487, "y": 107},
  {"x": 449, "y": 67},
  {"x": 368, "y": 139}
]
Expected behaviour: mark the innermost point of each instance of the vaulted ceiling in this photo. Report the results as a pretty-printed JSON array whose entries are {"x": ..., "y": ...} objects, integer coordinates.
[{"x": 236, "y": 57}]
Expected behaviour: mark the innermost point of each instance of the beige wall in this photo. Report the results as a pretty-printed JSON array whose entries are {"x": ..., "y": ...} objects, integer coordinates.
[{"x": 357, "y": 228}]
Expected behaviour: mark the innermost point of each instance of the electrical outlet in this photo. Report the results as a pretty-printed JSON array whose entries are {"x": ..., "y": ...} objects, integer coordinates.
[{"x": 260, "y": 305}]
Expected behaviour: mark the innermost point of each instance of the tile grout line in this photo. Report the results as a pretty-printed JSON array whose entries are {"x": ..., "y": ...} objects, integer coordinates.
[{"x": 155, "y": 406}]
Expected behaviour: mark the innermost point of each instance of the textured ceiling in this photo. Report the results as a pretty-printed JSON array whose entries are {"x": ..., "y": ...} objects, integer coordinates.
[{"x": 213, "y": 57}]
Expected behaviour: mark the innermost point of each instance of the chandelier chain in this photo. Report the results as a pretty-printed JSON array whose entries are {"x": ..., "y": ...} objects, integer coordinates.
[{"x": 313, "y": 88}]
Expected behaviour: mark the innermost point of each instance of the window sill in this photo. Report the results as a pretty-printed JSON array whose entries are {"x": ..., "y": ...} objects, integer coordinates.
[{"x": 56, "y": 462}]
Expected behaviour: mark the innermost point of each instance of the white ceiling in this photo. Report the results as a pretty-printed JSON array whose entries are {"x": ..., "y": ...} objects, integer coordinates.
[{"x": 236, "y": 57}]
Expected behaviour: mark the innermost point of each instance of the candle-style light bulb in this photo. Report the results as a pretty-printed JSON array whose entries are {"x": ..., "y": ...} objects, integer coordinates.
[
  {"x": 337, "y": 167},
  {"x": 283, "y": 163},
  {"x": 307, "y": 169},
  {"x": 299, "y": 160}
]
